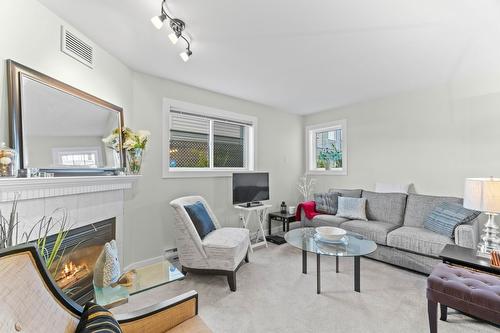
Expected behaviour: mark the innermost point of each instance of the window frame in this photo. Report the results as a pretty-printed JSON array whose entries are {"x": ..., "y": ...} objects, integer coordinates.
[
  {"x": 196, "y": 109},
  {"x": 310, "y": 135}
]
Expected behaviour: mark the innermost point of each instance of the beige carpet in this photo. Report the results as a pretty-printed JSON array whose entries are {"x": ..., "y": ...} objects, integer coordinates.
[{"x": 274, "y": 296}]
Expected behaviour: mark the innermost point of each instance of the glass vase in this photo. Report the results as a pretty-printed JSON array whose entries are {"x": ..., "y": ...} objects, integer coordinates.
[
  {"x": 8, "y": 162},
  {"x": 134, "y": 160}
]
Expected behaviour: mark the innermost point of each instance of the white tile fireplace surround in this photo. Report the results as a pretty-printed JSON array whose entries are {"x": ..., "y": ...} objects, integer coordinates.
[{"x": 86, "y": 199}]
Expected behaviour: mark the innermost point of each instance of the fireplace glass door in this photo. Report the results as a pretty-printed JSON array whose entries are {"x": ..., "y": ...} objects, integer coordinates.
[{"x": 73, "y": 270}]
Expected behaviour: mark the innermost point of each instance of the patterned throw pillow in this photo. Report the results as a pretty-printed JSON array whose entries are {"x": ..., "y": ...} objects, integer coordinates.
[
  {"x": 447, "y": 216},
  {"x": 352, "y": 208},
  {"x": 95, "y": 318},
  {"x": 327, "y": 203}
]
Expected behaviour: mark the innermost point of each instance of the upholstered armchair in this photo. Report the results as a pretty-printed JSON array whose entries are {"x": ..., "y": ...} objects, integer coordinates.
[
  {"x": 221, "y": 252},
  {"x": 31, "y": 302}
]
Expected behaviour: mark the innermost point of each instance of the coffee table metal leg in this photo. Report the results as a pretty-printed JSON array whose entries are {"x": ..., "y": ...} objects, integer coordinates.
[
  {"x": 336, "y": 264},
  {"x": 356, "y": 274},
  {"x": 318, "y": 273},
  {"x": 304, "y": 262}
]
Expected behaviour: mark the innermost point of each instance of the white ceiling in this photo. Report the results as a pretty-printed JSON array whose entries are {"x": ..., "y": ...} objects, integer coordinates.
[{"x": 301, "y": 56}]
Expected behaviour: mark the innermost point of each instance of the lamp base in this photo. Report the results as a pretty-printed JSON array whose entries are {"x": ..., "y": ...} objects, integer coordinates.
[{"x": 489, "y": 239}]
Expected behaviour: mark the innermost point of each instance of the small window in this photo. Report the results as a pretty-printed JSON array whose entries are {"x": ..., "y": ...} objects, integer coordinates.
[
  {"x": 204, "y": 140},
  {"x": 78, "y": 157},
  {"x": 326, "y": 148}
]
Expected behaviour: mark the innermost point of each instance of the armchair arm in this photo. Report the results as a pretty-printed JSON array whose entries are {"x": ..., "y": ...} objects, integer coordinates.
[
  {"x": 467, "y": 235},
  {"x": 161, "y": 317}
]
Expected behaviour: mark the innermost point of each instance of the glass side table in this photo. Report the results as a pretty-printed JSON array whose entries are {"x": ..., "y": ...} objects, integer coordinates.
[{"x": 146, "y": 277}]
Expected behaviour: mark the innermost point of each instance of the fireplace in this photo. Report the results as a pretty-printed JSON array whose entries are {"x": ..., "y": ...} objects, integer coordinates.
[{"x": 80, "y": 250}]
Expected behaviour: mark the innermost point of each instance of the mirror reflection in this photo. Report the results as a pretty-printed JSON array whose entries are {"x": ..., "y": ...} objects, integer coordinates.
[{"x": 63, "y": 131}]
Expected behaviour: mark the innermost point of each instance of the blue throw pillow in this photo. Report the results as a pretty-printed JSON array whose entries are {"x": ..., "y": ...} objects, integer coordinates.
[
  {"x": 447, "y": 216},
  {"x": 201, "y": 220}
]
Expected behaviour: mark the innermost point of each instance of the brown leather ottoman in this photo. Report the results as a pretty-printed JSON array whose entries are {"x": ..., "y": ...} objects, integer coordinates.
[{"x": 473, "y": 293}]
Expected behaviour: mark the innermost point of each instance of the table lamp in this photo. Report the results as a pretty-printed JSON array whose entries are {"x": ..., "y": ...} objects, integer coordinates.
[{"x": 483, "y": 194}]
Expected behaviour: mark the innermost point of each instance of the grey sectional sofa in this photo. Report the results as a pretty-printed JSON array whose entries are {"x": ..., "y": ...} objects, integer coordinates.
[{"x": 395, "y": 223}]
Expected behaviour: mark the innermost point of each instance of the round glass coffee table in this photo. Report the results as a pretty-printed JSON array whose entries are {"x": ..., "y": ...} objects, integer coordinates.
[{"x": 354, "y": 245}]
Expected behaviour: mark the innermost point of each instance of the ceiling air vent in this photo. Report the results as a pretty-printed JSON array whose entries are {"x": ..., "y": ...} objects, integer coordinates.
[{"x": 75, "y": 47}]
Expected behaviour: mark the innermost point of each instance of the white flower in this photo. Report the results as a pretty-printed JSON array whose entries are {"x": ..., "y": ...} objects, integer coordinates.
[
  {"x": 143, "y": 134},
  {"x": 5, "y": 160},
  {"x": 129, "y": 144},
  {"x": 110, "y": 139}
]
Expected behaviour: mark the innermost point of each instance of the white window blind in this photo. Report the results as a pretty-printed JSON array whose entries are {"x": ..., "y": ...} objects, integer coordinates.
[{"x": 205, "y": 142}]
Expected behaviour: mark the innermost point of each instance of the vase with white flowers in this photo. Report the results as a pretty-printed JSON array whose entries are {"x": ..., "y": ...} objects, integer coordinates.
[{"x": 134, "y": 144}]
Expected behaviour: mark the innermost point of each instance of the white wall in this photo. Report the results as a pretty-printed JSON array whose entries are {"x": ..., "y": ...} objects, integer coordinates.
[
  {"x": 29, "y": 34},
  {"x": 433, "y": 138},
  {"x": 150, "y": 218}
]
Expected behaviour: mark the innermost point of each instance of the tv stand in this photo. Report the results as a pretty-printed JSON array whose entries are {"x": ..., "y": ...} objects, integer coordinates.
[
  {"x": 251, "y": 204},
  {"x": 260, "y": 211}
]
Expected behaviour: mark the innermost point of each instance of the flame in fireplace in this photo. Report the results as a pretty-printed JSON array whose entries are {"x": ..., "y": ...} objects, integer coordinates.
[{"x": 71, "y": 273}]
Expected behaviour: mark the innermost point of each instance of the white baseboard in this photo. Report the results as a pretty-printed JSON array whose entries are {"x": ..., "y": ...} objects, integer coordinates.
[{"x": 274, "y": 230}]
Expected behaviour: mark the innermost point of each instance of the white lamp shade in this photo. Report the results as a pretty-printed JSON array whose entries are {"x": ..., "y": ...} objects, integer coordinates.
[
  {"x": 173, "y": 38},
  {"x": 157, "y": 21},
  {"x": 482, "y": 194}
]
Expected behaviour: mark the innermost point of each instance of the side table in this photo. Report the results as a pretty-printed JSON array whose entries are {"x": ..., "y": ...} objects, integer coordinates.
[
  {"x": 463, "y": 256},
  {"x": 284, "y": 218},
  {"x": 260, "y": 212}
]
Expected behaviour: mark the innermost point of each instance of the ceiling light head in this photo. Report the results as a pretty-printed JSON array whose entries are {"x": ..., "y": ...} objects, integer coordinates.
[
  {"x": 186, "y": 55},
  {"x": 158, "y": 21},
  {"x": 173, "y": 38}
]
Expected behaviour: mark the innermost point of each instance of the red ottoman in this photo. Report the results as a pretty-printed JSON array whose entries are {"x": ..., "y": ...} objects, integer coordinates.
[{"x": 473, "y": 293}]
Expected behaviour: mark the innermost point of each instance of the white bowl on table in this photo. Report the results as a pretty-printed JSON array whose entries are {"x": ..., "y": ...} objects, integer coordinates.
[{"x": 330, "y": 233}]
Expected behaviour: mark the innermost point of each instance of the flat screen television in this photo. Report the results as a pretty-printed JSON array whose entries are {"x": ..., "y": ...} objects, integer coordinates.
[{"x": 250, "y": 188}]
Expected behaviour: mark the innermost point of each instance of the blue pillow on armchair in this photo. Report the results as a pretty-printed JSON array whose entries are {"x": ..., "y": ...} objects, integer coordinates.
[{"x": 201, "y": 220}]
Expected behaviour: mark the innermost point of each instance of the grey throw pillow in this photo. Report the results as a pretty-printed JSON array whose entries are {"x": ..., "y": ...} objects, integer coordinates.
[
  {"x": 326, "y": 203},
  {"x": 446, "y": 216},
  {"x": 352, "y": 208}
]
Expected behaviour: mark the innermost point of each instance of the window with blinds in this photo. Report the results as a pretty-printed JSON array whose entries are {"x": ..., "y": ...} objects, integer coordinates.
[{"x": 203, "y": 142}]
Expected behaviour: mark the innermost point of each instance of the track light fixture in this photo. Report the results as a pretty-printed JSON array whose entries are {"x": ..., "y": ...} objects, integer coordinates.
[
  {"x": 185, "y": 55},
  {"x": 177, "y": 27}
]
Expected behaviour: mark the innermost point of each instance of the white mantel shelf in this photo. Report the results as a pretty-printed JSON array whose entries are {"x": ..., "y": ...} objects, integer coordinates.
[{"x": 34, "y": 188}]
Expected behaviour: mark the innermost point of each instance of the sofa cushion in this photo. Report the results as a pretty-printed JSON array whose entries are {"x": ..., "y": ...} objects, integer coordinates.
[
  {"x": 352, "y": 208},
  {"x": 373, "y": 230},
  {"x": 447, "y": 216},
  {"x": 328, "y": 220},
  {"x": 419, "y": 240},
  {"x": 327, "y": 203},
  {"x": 418, "y": 207},
  {"x": 226, "y": 247},
  {"x": 347, "y": 193},
  {"x": 388, "y": 207}
]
